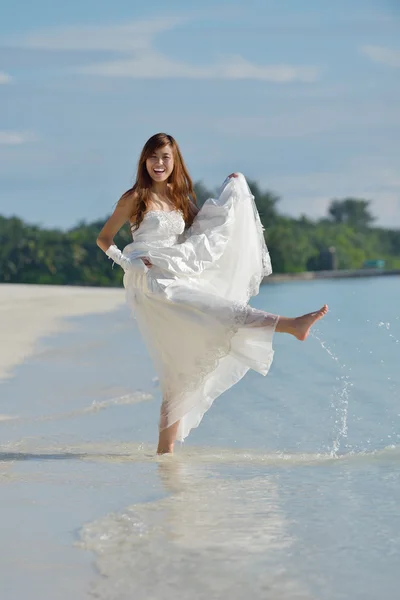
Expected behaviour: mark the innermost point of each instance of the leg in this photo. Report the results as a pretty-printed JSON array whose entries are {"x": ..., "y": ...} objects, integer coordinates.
[
  {"x": 300, "y": 327},
  {"x": 167, "y": 439},
  {"x": 168, "y": 433}
]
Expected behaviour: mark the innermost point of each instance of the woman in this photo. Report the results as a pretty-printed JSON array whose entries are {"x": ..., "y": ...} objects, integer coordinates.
[{"x": 189, "y": 275}]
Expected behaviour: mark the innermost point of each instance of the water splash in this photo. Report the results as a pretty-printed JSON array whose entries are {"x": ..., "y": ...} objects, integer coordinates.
[
  {"x": 387, "y": 327},
  {"x": 342, "y": 405},
  {"x": 395, "y": 434}
]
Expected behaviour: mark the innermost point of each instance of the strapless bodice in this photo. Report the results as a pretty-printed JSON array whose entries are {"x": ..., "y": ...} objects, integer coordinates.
[{"x": 159, "y": 228}]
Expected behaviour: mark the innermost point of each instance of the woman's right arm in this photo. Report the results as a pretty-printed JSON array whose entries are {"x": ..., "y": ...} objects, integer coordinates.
[
  {"x": 105, "y": 239},
  {"x": 120, "y": 216}
]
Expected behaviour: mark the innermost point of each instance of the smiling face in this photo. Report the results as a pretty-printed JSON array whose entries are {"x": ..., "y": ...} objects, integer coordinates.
[
  {"x": 161, "y": 170},
  {"x": 160, "y": 164}
]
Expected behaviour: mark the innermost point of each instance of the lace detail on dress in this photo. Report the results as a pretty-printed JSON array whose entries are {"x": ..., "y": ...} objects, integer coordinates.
[
  {"x": 164, "y": 214},
  {"x": 164, "y": 217},
  {"x": 160, "y": 228}
]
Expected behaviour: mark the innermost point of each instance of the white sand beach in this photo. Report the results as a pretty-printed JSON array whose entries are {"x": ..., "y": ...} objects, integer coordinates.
[{"x": 29, "y": 312}]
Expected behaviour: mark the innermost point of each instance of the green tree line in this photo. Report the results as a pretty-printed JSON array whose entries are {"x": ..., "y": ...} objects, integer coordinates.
[{"x": 32, "y": 254}]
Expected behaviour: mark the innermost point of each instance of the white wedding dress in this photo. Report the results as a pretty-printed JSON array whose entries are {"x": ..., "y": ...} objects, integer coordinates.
[{"x": 191, "y": 305}]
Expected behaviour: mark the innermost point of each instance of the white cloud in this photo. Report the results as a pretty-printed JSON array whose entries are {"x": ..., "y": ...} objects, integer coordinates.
[
  {"x": 140, "y": 59},
  {"x": 15, "y": 138},
  {"x": 382, "y": 55},
  {"x": 118, "y": 38},
  {"x": 151, "y": 64},
  {"x": 4, "y": 78}
]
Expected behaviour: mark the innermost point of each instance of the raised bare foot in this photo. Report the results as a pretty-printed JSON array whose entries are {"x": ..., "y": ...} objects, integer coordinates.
[{"x": 303, "y": 324}]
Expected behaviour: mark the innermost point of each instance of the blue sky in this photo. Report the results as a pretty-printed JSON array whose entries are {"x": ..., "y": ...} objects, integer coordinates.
[{"x": 302, "y": 95}]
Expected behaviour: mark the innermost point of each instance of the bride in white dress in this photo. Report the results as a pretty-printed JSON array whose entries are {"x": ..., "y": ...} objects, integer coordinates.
[{"x": 189, "y": 275}]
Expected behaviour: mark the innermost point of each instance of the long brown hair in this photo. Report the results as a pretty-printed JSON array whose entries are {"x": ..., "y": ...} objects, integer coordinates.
[{"x": 180, "y": 189}]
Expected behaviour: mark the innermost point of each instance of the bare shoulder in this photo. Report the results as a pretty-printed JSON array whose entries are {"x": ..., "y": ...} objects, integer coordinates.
[
  {"x": 121, "y": 214},
  {"x": 127, "y": 199}
]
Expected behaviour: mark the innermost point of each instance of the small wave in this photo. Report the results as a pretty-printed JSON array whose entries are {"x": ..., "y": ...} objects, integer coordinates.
[
  {"x": 95, "y": 407},
  {"x": 8, "y": 417},
  {"x": 137, "y": 452}
]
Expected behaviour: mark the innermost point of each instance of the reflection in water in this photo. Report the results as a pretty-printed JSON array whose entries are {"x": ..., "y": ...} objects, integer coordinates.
[
  {"x": 209, "y": 537},
  {"x": 233, "y": 522}
]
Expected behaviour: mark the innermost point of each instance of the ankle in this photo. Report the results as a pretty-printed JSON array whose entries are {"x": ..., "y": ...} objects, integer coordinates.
[
  {"x": 167, "y": 449},
  {"x": 286, "y": 325}
]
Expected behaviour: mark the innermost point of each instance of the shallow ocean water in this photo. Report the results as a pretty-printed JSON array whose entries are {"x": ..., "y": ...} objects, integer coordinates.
[{"x": 289, "y": 488}]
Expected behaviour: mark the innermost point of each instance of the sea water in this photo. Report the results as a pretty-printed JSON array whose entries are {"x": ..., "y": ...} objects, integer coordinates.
[{"x": 289, "y": 489}]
